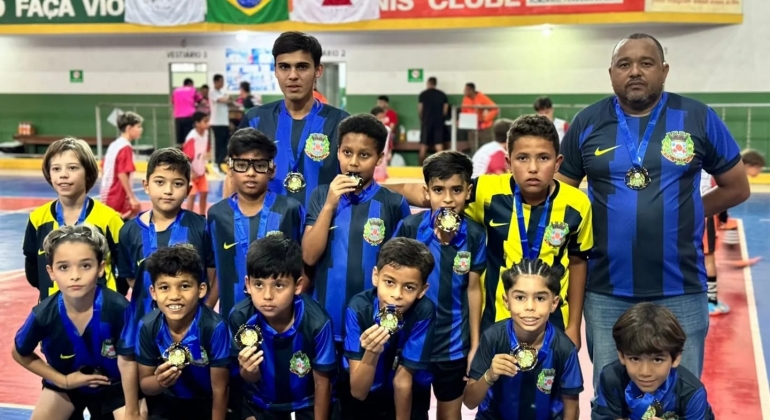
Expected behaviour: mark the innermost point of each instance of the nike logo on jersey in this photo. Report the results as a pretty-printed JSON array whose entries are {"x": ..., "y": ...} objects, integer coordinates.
[
  {"x": 492, "y": 223},
  {"x": 599, "y": 152},
  {"x": 139, "y": 263},
  {"x": 333, "y": 227},
  {"x": 63, "y": 357},
  {"x": 228, "y": 246},
  {"x": 41, "y": 252}
]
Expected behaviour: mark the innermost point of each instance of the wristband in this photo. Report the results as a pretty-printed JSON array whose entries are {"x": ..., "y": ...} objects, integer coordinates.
[{"x": 490, "y": 383}]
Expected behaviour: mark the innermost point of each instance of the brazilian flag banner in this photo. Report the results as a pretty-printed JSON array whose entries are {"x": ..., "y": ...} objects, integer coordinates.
[{"x": 247, "y": 12}]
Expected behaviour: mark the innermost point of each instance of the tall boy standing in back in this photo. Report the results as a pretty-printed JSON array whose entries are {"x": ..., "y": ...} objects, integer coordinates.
[{"x": 304, "y": 129}]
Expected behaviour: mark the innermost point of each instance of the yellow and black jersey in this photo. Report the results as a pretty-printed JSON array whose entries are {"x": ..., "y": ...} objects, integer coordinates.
[
  {"x": 43, "y": 220},
  {"x": 568, "y": 233}
]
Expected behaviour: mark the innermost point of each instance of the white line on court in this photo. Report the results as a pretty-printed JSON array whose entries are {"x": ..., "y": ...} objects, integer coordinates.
[
  {"x": 10, "y": 275},
  {"x": 759, "y": 356},
  {"x": 17, "y": 406}
]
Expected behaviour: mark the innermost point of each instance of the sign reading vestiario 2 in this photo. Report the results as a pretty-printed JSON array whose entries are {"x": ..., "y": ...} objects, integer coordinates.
[{"x": 61, "y": 11}]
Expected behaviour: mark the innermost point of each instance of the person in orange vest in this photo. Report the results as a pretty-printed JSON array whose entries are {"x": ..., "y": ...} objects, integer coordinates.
[
  {"x": 486, "y": 115},
  {"x": 320, "y": 96}
]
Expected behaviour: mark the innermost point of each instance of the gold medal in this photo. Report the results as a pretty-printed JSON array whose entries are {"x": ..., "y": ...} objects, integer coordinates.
[
  {"x": 637, "y": 178},
  {"x": 526, "y": 357},
  {"x": 294, "y": 182},
  {"x": 391, "y": 319},
  {"x": 178, "y": 355},
  {"x": 447, "y": 220},
  {"x": 356, "y": 177},
  {"x": 248, "y": 336},
  {"x": 655, "y": 410}
]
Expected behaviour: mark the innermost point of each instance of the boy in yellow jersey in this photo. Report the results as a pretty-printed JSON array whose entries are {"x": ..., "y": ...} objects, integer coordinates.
[
  {"x": 528, "y": 214},
  {"x": 69, "y": 166}
]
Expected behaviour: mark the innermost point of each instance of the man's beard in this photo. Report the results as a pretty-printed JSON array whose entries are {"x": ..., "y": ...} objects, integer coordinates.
[{"x": 643, "y": 102}]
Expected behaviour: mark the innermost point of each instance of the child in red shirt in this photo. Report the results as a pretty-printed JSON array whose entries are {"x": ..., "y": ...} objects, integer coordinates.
[
  {"x": 197, "y": 147},
  {"x": 116, "y": 190}
]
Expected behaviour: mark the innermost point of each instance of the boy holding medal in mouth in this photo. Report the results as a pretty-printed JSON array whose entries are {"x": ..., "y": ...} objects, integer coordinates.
[
  {"x": 183, "y": 348},
  {"x": 530, "y": 215},
  {"x": 166, "y": 224},
  {"x": 78, "y": 327},
  {"x": 253, "y": 212},
  {"x": 459, "y": 247},
  {"x": 350, "y": 219},
  {"x": 389, "y": 336},
  {"x": 525, "y": 368},
  {"x": 283, "y": 340},
  {"x": 647, "y": 382}
]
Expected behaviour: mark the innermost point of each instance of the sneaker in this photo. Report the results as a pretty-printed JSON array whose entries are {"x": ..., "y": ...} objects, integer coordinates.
[{"x": 718, "y": 308}]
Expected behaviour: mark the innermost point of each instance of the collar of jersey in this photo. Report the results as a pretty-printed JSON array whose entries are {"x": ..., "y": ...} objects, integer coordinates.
[
  {"x": 426, "y": 232},
  {"x": 552, "y": 197},
  {"x": 191, "y": 338},
  {"x": 366, "y": 195},
  {"x": 267, "y": 330}
]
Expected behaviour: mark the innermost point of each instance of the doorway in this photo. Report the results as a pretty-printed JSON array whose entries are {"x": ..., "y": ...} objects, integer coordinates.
[
  {"x": 332, "y": 84},
  {"x": 178, "y": 72}
]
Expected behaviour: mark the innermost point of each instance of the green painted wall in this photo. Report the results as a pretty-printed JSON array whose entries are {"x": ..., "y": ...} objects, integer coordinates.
[{"x": 74, "y": 114}]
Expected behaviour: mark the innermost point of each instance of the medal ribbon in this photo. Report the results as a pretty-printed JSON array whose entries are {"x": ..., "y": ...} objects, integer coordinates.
[
  {"x": 637, "y": 153},
  {"x": 543, "y": 405},
  {"x": 241, "y": 231},
  {"x": 81, "y": 218},
  {"x": 638, "y": 402},
  {"x": 283, "y": 133},
  {"x": 190, "y": 339},
  {"x": 83, "y": 355},
  {"x": 526, "y": 251},
  {"x": 150, "y": 246}
]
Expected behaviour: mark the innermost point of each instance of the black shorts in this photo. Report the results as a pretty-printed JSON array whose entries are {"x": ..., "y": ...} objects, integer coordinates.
[
  {"x": 167, "y": 407},
  {"x": 449, "y": 379},
  {"x": 99, "y": 404},
  {"x": 432, "y": 135},
  {"x": 381, "y": 406},
  {"x": 251, "y": 410}
]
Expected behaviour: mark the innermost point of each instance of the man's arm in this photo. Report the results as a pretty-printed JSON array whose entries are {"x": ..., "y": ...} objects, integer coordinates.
[
  {"x": 732, "y": 189},
  {"x": 413, "y": 192},
  {"x": 419, "y": 110},
  {"x": 576, "y": 291}
]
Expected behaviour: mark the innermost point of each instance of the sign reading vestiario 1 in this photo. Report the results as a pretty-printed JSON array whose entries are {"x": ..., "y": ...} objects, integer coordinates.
[{"x": 61, "y": 11}]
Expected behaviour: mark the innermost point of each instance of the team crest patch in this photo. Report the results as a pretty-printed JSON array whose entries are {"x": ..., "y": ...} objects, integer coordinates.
[
  {"x": 274, "y": 233},
  {"x": 204, "y": 360},
  {"x": 462, "y": 263},
  {"x": 556, "y": 234},
  {"x": 678, "y": 147},
  {"x": 545, "y": 380},
  {"x": 669, "y": 415},
  {"x": 374, "y": 231},
  {"x": 108, "y": 349},
  {"x": 299, "y": 364},
  {"x": 317, "y": 147}
]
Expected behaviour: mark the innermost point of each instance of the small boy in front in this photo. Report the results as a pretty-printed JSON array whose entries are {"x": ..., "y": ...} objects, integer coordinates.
[
  {"x": 117, "y": 190},
  {"x": 252, "y": 213},
  {"x": 197, "y": 147},
  {"x": 349, "y": 220},
  {"x": 525, "y": 368},
  {"x": 290, "y": 371},
  {"x": 183, "y": 348},
  {"x": 388, "y": 338},
  {"x": 646, "y": 382},
  {"x": 459, "y": 247}
]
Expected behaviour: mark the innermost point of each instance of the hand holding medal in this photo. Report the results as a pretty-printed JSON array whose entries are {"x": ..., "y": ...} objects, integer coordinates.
[
  {"x": 167, "y": 374},
  {"x": 356, "y": 177},
  {"x": 374, "y": 338},
  {"x": 177, "y": 355},
  {"x": 248, "y": 336},
  {"x": 341, "y": 185},
  {"x": 503, "y": 364},
  {"x": 526, "y": 357}
]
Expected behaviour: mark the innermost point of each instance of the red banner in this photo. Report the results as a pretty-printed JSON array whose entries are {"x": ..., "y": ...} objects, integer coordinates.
[{"x": 411, "y": 9}]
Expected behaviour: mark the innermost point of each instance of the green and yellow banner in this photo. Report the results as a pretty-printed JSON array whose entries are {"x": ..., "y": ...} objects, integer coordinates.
[{"x": 247, "y": 12}]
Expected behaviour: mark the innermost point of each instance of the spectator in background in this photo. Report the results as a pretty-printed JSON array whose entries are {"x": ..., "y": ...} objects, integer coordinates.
[
  {"x": 486, "y": 114},
  {"x": 391, "y": 118},
  {"x": 203, "y": 104},
  {"x": 184, "y": 100},
  {"x": 245, "y": 98},
  {"x": 490, "y": 158},
  {"x": 220, "y": 120},
  {"x": 320, "y": 96},
  {"x": 381, "y": 171},
  {"x": 432, "y": 108},
  {"x": 544, "y": 106}
]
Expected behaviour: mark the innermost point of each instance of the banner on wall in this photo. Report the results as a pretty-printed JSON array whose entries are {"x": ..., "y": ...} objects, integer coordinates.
[
  {"x": 333, "y": 11},
  {"x": 247, "y": 12},
  {"x": 253, "y": 65},
  {"x": 695, "y": 6},
  {"x": 61, "y": 11},
  {"x": 415, "y": 9},
  {"x": 165, "y": 12}
]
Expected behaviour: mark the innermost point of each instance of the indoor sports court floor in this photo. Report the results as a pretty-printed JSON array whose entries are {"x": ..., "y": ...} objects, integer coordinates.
[{"x": 735, "y": 371}]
